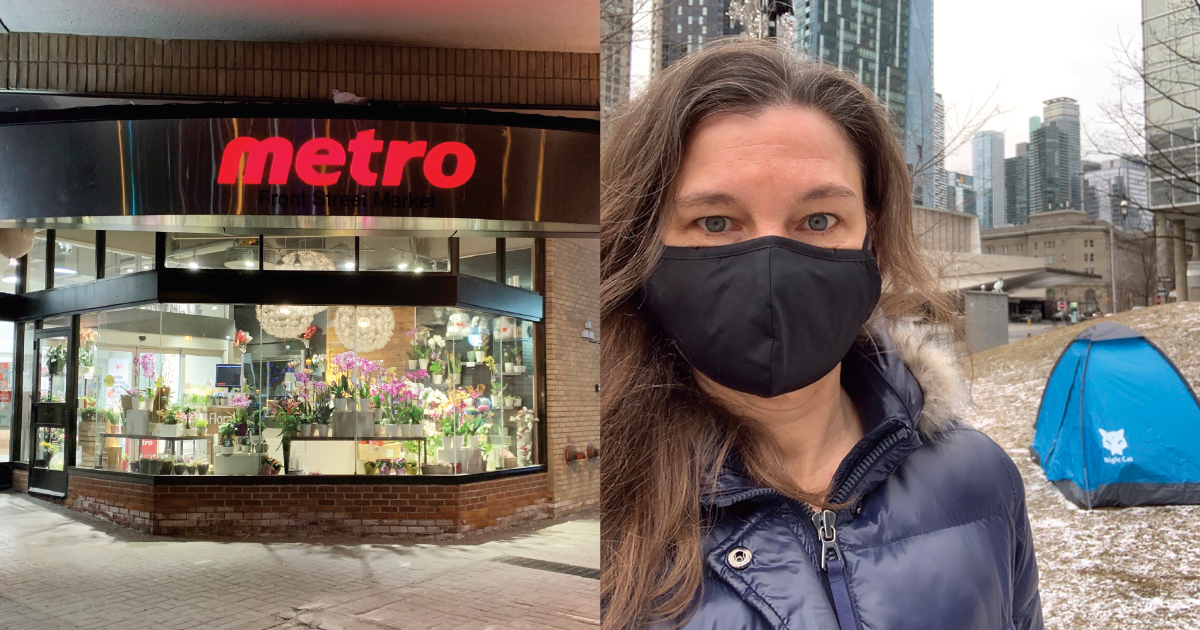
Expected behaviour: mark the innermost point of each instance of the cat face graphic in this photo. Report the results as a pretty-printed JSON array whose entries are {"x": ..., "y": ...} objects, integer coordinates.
[{"x": 1114, "y": 441}]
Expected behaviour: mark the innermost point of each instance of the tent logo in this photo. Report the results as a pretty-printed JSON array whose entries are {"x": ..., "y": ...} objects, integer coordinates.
[{"x": 1114, "y": 442}]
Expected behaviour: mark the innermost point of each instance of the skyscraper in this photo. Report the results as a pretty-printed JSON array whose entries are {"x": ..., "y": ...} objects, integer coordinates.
[
  {"x": 1049, "y": 179},
  {"x": 939, "y": 148},
  {"x": 987, "y": 149},
  {"x": 1116, "y": 180},
  {"x": 684, "y": 25},
  {"x": 1016, "y": 187},
  {"x": 616, "y": 23},
  {"x": 888, "y": 45},
  {"x": 1063, "y": 113},
  {"x": 960, "y": 193}
]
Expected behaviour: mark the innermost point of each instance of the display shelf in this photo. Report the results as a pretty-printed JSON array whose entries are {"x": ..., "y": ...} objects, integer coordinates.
[
  {"x": 157, "y": 437},
  {"x": 360, "y": 439}
]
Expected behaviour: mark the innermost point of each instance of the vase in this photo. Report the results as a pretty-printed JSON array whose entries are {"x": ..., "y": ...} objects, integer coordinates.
[
  {"x": 508, "y": 367},
  {"x": 437, "y": 379},
  {"x": 473, "y": 442},
  {"x": 412, "y": 365},
  {"x": 456, "y": 441},
  {"x": 306, "y": 430},
  {"x": 391, "y": 430},
  {"x": 376, "y": 429},
  {"x": 322, "y": 430},
  {"x": 424, "y": 363},
  {"x": 341, "y": 404}
]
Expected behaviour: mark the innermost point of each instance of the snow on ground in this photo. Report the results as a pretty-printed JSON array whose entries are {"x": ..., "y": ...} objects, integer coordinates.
[{"x": 1112, "y": 568}]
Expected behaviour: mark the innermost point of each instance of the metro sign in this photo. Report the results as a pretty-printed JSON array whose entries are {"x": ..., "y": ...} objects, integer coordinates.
[{"x": 327, "y": 152}]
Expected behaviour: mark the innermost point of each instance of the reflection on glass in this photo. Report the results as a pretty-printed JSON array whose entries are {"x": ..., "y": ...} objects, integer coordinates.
[
  {"x": 320, "y": 253},
  {"x": 74, "y": 257},
  {"x": 36, "y": 277},
  {"x": 518, "y": 262},
  {"x": 7, "y": 330},
  {"x": 28, "y": 388},
  {"x": 53, "y": 361},
  {"x": 128, "y": 252},
  {"x": 407, "y": 255},
  {"x": 211, "y": 251},
  {"x": 48, "y": 448},
  {"x": 477, "y": 257}
]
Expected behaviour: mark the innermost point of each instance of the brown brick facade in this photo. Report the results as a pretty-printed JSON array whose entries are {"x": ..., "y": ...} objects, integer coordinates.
[
  {"x": 20, "y": 481},
  {"x": 309, "y": 510},
  {"x": 97, "y": 65},
  {"x": 572, "y": 370}
]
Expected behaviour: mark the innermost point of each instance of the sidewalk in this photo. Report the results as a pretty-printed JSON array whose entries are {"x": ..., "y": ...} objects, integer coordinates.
[{"x": 63, "y": 570}]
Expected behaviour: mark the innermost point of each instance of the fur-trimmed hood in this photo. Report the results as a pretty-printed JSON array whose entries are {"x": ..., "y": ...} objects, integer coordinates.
[{"x": 933, "y": 366}]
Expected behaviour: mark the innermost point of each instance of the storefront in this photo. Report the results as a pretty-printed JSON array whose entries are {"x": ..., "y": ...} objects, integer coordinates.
[{"x": 244, "y": 319}]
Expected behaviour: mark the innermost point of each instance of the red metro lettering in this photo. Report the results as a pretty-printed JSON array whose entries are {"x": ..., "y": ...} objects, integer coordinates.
[{"x": 321, "y": 152}]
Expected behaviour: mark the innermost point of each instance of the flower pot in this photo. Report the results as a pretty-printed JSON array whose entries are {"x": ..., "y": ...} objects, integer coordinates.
[
  {"x": 376, "y": 430},
  {"x": 412, "y": 365},
  {"x": 168, "y": 430},
  {"x": 391, "y": 430},
  {"x": 456, "y": 441},
  {"x": 508, "y": 367},
  {"x": 225, "y": 450},
  {"x": 341, "y": 404},
  {"x": 368, "y": 470},
  {"x": 155, "y": 428},
  {"x": 516, "y": 401},
  {"x": 180, "y": 469},
  {"x": 424, "y": 363},
  {"x": 306, "y": 430},
  {"x": 202, "y": 468},
  {"x": 126, "y": 402},
  {"x": 446, "y": 441},
  {"x": 378, "y": 415},
  {"x": 322, "y": 430},
  {"x": 343, "y": 423},
  {"x": 113, "y": 428},
  {"x": 519, "y": 368},
  {"x": 473, "y": 441},
  {"x": 437, "y": 379}
]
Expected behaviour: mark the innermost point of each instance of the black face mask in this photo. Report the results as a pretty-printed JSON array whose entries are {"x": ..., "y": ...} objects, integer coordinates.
[{"x": 765, "y": 316}]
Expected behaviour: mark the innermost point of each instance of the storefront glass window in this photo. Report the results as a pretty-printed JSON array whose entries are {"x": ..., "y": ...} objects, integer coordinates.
[
  {"x": 211, "y": 251},
  {"x": 8, "y": 278},
  {"x": 319, "y": 253},
  {"x": 518, "y": 262},
  {"x": 28, "y": 386},
  {"x": 128, "y": 252},
  {"x": 74, "y": 257},
  {"x": 407, "y": 255},
  {"x": 6, "y": 389},
  {"x": 477, "y": 257},
  {"x": 339, "y": 390},
  {"x": 36, "y": 278}
]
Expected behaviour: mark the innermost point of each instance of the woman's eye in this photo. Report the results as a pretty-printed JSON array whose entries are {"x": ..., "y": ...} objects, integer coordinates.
[
  {"x": 715, "y": 224},
  {"x": 820, "y": 222}
]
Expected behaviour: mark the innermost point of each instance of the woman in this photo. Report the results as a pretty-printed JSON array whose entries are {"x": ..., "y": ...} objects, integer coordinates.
[{"x": 783, "y": 449}]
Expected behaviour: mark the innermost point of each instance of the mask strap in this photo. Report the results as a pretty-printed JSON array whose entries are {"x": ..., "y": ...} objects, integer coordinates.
[{"x": 870, "y": 238}]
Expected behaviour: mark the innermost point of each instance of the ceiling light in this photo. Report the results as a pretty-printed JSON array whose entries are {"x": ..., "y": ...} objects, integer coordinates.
[
  {"x": 193, "y": 265},
  {"x": 285, "y": 310},
  {"x": 145, "y": 266},
  {"x": 364, "y": 323},
  {"x": 403, "y": 266},
  {"x": 348, "y": 266},
  {"x": 65, "y": 270},
  {"x": 419, "y": 269}
]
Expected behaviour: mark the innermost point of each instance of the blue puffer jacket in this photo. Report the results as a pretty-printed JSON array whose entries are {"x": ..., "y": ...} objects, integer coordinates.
[{"x": 936, "y": 536}]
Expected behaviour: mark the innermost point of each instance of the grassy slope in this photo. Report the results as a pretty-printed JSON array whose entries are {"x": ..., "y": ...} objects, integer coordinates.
[{"x": 1130, "y": 568}]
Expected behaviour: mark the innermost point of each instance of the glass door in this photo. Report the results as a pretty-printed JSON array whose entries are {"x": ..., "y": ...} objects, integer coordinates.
[{"x": 52, "y": 447}]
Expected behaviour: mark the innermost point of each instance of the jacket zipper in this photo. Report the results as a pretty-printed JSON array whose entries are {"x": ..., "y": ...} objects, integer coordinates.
[{"x": 833, "y": 564}]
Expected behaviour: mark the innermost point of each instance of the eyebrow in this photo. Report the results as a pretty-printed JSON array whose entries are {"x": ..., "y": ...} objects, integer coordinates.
[{"x": 712, "y": 198}]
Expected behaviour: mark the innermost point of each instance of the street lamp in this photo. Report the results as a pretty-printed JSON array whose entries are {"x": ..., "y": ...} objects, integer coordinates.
[{"x": 1112, "y": 248}]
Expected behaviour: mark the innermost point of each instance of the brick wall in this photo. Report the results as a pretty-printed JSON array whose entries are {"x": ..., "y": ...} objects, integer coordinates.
[
  {"x": 128, "y": 504},
  {"x": 127, "y": 66},
  {"x": 572, "y": 370},
  {"x": 305, "y": 510},
  {"x": 21, "y": 480}
]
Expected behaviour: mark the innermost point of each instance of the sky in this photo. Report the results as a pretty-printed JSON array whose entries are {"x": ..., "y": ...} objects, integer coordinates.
[
  {"x": 1018, "y": 53},
  {"x": 1026, "y": 52}
]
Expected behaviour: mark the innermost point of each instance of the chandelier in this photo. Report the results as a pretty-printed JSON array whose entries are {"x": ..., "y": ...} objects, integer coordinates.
[
  {"x": 305, "y": 260},
  {"x": 286, "y": 321},
  {"x": 368, "y": 327}
]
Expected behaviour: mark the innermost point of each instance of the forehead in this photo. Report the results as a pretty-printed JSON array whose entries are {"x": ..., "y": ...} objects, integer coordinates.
[{"x": 802, "y": 140}]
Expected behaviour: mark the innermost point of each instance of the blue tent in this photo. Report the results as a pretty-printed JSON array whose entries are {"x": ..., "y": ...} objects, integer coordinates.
[{"x": 1118, "y": 424}]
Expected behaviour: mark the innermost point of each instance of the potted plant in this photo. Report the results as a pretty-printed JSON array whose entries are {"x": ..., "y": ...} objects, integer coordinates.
[
  {"x": 435, "y": 370},
  {"x": 369, "y": 468},
  {"x": 412, "y": 467},
  {"x": 202, "y": 426},
  {"x": 144, "y": 465},
  {"x": 191, "y": 467},
  {"x": 166, "y": 466},
  {"x": 202, "y": 468},
  {"x": 170, "y": 423},
  {"x": 56, "y": 360},
  {"x": 180, "y": 467},
  {"x": 87, "y": 351},
  {"x": 384, "y": 467},
  {"x": 226, "y": 433}
]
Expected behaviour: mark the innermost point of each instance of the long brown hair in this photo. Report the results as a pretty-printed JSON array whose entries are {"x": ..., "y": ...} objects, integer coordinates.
[{"x": 665, "y": 439}]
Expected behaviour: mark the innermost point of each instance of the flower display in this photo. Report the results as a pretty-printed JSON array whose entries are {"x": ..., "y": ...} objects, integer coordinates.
[
  {"x": 241, "y": 341},
  {"x": 308, "y": 334},
  {"x": 146, "y": 365}
]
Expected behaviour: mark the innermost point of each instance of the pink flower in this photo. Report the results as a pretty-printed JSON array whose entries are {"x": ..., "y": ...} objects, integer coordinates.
[
  {"x": 419, "y": 375},
  {"x": 303, "y": 377}
]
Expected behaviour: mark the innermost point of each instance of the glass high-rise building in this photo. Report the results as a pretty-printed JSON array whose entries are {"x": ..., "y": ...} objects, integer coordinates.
[
  {"x": 1016, "y": 187},
  {"x": 1063, "y": 113},
  {"x": 888, "y": 45},
  {"x": 684, "y": 25},
  {"x": 987, "y": 152},
  {"x": 1049, "y": 170}
]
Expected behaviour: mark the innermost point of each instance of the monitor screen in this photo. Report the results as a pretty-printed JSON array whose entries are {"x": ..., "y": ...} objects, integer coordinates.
[{"x": 229, "y": 375}]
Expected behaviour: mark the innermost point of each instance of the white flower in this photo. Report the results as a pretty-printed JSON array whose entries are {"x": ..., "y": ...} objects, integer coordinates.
[{"x": 437, "y": 342}]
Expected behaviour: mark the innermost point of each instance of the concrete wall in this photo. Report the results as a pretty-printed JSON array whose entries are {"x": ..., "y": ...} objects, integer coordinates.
[{"x": 986, "y": 319}]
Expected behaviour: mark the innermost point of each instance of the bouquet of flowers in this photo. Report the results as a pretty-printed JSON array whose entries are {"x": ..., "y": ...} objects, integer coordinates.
[
  {"x": 87, "y": 346},
  {"x": 418, "y": 340},
  {"x": 241, "y": 340},
  {"x": 307, "y": 335}
]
